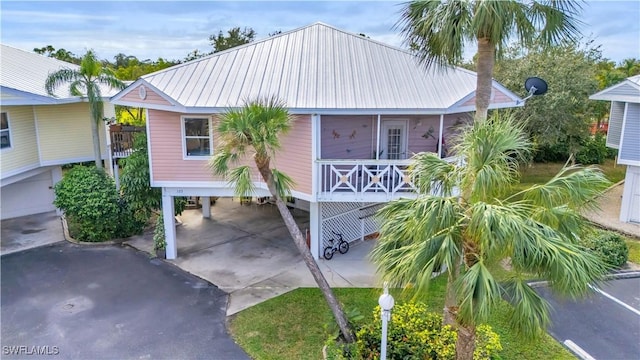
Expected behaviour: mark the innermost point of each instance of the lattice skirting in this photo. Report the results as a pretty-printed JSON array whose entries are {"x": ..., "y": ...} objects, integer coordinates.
[{"x": 354, "y": 220}]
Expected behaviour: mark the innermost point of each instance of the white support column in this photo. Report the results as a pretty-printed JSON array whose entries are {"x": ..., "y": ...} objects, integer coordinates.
[
  {"x": 315, "y": 229},
  {"x": 378, "y": 140},
  {"x": 116, "y": 174},
  {"x": 440, "y": 136},
  {"x": 206, "y": 207},
  {"x": 169, "y": 226},
  {"x": 56, "y": 176}
]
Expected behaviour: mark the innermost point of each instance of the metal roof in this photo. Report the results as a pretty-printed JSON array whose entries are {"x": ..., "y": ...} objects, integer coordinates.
[
  {"x": 23, "y": 75},
  {"x": 314, "y": 67}
]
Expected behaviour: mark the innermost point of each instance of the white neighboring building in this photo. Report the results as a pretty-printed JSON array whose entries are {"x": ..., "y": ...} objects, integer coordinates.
[{"x": 624, "y": 135}]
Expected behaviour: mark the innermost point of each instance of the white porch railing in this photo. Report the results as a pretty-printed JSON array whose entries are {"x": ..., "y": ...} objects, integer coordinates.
[{"x": 365, "y": 180}]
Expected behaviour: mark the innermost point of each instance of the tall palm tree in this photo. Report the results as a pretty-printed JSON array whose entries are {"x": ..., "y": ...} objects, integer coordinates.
[
  {"x": 86, "y": 81},
  {"x": 438, "y": 30},
  {"x": 254, "y": 130},
  {"x": 537, "y": 229}
]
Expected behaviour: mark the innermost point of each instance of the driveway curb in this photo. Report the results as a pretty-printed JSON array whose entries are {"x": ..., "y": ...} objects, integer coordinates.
[{"x": 622, "y": 274}]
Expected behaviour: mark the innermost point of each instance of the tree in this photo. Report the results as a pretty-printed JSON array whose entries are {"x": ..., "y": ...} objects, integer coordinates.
[
  {"x": 86, "y": 81},
  {"x": 537, "y": 228},
  {"x": 560, "y": 119},
  {"x": 60, "y": 54},
  {"x": 255, "y": 130},
  {"x": 439, "y": 29},
  {"x": 234, "y": 37}
]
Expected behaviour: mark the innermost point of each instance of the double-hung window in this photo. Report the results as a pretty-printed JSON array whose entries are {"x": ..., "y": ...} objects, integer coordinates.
[
  {"x": 197, "y": 137},
  {"x": 5, "y": 132}
]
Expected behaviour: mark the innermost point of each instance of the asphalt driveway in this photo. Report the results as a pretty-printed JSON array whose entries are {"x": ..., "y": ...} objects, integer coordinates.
[
  {"x": 107, "y": 302},
  {"x": 605, "y": 325}
]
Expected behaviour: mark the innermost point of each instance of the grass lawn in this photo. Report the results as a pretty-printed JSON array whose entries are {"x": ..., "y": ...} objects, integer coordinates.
[
  {"x": 634, "y": 249},
  {"x": 292, "y": 325},
  {"x": 538, "y": 173}
]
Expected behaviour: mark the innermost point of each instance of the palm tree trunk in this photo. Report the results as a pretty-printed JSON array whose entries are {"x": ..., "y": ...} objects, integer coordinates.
[
  {"x": 301, "y": 244},
  {"x": 486, "y": 60},
  {"x": 96, "y": 143},
  {"x": 466, "y": 343},
  {"x": 450, "y": 303}
]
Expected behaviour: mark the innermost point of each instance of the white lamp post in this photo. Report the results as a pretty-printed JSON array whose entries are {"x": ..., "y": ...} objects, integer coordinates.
[{"x": 386, "y": 304}]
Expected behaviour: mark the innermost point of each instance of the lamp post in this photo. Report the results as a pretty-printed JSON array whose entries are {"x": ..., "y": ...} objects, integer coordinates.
[{"x": 386, "y": 304}]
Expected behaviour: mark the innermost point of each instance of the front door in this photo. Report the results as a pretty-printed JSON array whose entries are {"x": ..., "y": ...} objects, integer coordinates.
[{"x": 393, "y": 142}]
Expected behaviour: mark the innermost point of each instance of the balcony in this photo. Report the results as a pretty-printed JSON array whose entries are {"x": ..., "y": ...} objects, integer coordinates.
[{"x": 122, "y": 139}]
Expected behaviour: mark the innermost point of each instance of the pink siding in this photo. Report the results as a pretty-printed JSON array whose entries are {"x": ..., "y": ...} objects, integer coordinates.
[
  {"x": 498, "y": 98},
  {"x": 294, "y": 158},
  {"x": 152, "y": 97},
  {"x": 168, "y": 164},
  {"x": 166, "y": 150}
]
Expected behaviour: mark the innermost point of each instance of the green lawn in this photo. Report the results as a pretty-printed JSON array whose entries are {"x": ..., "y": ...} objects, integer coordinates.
[
  {"x": 538, "y": 173},
  {"x": 634, "y": 249},
  {"x": 291, "y": 326}
]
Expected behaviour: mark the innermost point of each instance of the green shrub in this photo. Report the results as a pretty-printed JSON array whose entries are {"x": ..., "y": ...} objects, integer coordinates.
[
  {"x": 89, "y": 199},
  {"x": 159, "y": 240},
  {"x": 593, "y": 150},
  {"x": 413, "y": 333},
  {"x": 609, "y": 246}
]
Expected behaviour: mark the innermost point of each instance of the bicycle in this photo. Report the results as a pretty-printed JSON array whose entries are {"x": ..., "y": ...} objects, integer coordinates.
[{"x": 342, "y": 247}]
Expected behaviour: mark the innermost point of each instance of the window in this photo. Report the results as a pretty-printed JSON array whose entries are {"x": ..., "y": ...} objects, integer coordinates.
[
  {"x": 5, "y": 134},
  {"x": 197, "y": 137}
]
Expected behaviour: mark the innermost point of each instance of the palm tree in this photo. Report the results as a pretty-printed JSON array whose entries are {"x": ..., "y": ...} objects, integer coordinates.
[
  {"x": 255, "y": 130},
  {"x": 537, "y": 228},
  {"x": 438, "y": 29},
  {"x": 86, "y": 81}
]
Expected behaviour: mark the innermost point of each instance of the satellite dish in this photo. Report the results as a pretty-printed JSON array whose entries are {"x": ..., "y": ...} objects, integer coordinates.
[{"x": 535, "y": 86}]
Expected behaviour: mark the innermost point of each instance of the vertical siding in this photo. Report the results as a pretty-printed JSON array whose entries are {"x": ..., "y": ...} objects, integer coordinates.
[
  {"x": 65, "y": 132},
  {"x": 615, "y": 124},
  {"x": 165, "y": 136},
  {"x": 630, "y": 147},
  {"x": 347, "y": 136},
  {"x": 294, "y": 158},
  {"x": 152, "y": 97},
  {"x": 24, "y": 150}
]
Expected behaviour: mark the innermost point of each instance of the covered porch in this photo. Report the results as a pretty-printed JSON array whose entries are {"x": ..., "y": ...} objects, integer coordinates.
[{"x": 365, "y": 157}]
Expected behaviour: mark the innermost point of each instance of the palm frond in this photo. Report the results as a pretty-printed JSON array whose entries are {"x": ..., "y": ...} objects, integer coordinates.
[
  {"x": 240, "y": 178},
  {"x": 283, "y": 183},
  {"x": 556, "y": 20},
  {"x": 60, "y": 77},
  {"x": 530, "y": 312},
  {"x": 479, "y": 294},
  {"x": 431, "y": 174}
]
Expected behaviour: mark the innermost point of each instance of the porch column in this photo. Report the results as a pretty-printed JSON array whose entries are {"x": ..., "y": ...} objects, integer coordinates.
[
  {"x": 169, "y": 226},
  {"x": 315, "y": 229},
  {"x": 206, "y": 207},
  {"x": 378, "y": 140},
  {"x": 116, "y": 174},
  {"x": 440, "y": 136}
]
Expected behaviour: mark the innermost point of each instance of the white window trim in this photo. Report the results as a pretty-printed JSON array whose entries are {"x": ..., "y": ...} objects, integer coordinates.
[
  {"x": 10, "y": 147},
  {"x": 184, "y": 138}
]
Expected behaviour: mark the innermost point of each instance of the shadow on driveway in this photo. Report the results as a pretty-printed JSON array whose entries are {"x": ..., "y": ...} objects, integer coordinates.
[{"x": 109, "y": 302}]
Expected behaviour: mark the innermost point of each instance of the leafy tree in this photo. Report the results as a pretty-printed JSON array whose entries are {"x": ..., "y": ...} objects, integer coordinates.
[
  {"x": 439, "y": 29},
  {"x": 86, "y": 81},
  {"x": 195, "y": 54},
  {"x": 254, "y": 130},
  {"x": 60, "y": 54},
  {"x": 468, "y": 235},
  {"x": 135, "y": 185},
  {"x": 235, "y": 37},
  {"x": 563, "y": 115}
]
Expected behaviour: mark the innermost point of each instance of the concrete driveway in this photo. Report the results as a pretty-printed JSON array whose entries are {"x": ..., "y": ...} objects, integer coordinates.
[
  {"x": 248, "y": 252},
  {"x": 98, "y": 302},
  {"x": 605, "y": 325},
  {"x": 31, "y": 231}
]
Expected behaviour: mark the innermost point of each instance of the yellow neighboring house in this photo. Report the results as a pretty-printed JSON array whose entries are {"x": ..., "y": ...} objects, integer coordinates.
[{"x": 39, "y": 133}]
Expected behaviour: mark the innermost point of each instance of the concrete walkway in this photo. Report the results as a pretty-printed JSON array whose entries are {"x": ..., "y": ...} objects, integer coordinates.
[
  {"x": 608, "y": 216},
  {"x": 248, "y": 252}
]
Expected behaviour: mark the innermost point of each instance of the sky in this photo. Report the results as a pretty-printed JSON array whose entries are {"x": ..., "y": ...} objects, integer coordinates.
[{"x": 172, "y": 29}]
